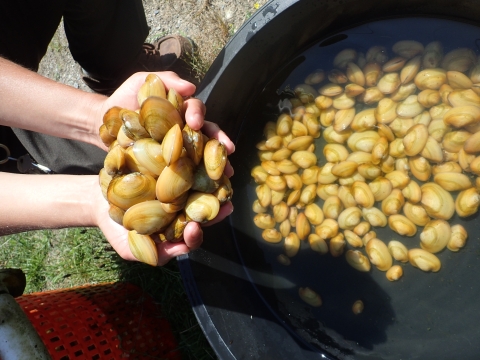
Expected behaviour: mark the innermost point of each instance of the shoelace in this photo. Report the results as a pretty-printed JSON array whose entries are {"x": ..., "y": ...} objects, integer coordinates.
[
  {"x": 150, "y": 50},
  {"x": 150, "y": 55}
]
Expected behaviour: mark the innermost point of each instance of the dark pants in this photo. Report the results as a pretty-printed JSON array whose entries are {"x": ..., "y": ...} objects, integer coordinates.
[{"x": 104, "y": 37}]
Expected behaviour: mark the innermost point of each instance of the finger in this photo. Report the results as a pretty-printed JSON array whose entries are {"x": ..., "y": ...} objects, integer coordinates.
[
  {"x": 172, "y": 80},
  {"x": 193, "y": 239},
  {"x": 193, "y": 235},
  {"x": 123, "y": 249},
  {"x": 168, "y": 250},
  {"x": 194, "y": 113},
  {"x": 228, "y": 171},
  {"x": 212, "y": 130},
  {"x": 225, "y": 210}
]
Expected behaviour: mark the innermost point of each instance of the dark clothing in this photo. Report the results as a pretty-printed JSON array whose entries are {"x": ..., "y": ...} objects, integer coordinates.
[{"x": 104, "y": 37}]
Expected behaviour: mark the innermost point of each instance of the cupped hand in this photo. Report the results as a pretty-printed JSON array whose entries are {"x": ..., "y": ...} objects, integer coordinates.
[
  {"x": 117, "y": 235},
  {"x": 126, "y": 96}
]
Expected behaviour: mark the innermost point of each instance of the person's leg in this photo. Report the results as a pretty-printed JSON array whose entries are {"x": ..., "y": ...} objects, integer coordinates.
[
  {"x": 107, "y": 39},
  {"x": 63, "y": 156},
  {"x": 27, "y": 26},
  {"x": 105, "y": 36}
]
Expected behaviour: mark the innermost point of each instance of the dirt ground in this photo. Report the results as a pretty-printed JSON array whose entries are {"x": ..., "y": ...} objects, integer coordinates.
[{"x": 209, "y": 23}]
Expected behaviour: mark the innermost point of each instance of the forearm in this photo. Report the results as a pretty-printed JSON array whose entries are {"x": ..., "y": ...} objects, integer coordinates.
[
  {"x": 33, "y": 102},
  {"x": 30, "y": 202}
]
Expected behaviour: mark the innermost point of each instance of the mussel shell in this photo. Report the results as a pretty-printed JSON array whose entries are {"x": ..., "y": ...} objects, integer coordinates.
[
  {"x": 176, "y": 99},
  {"x": 175, "y": 180},
  {"x": 149, "y": 154},
  {"x": 143, "y": 248},
  {"x": 193, "y": 143},
  {"x": 114, "y": 163},
  {"x": 133, "y": 164},
  {"x": 202, "y": 207},
  {"x": 127, "y": 190},
  {"x": 112, "y": 120},
  {"x": 147, "y": 217},
  {"x": 105, "y": 136},
  {"x": 153, "y": 86},
  {"x": 157, "y": 116},
  {"x": 131, "y": 122},
  {"x": 104, "y": 180},
  {"x": 214, "y": 158},
  {"x": 438, "y": 203},
  {"x": 202, "y": 182},
  {"x": 174, "y": 231},
  {"x": 123, "y": 137},
  {"x": 172, "y": 144},
  {"x": 116, "y": 214},
  {"x": 177, "y": 204},
  {"x": 225, "y": 191}
]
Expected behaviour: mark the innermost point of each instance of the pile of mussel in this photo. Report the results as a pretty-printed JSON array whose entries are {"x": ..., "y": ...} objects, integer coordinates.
[
  {"x": 402, "y": 129},
  {"x": 159, "y": 174}
]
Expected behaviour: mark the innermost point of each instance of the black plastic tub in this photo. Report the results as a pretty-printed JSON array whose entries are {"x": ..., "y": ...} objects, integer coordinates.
[{"x": 245, "y": 305}]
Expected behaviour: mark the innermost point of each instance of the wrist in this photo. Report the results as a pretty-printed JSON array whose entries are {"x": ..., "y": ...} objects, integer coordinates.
[
  {"x": 94, "y": 110},
  {"x": 72, "y": 201}
]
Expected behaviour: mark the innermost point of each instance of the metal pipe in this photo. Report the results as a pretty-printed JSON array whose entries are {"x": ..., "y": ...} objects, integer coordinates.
[{"x": 18, "y": 338}]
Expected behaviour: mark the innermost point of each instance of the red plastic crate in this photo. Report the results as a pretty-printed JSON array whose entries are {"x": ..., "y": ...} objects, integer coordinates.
[{"x": 106, "y": 321}]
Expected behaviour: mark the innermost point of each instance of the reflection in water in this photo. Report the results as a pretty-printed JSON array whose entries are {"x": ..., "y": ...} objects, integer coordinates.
[{"x": 260, "y": 278}]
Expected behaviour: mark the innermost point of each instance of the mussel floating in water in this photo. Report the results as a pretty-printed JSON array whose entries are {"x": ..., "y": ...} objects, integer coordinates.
[{"x": 159, "y": 174}]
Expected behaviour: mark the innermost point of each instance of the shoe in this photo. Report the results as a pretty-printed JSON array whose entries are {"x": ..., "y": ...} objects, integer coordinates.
[{"x": 169, "y": 53}]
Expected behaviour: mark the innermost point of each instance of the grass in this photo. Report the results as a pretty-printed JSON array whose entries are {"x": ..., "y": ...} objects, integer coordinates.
[{"x": 58, "y": 259}]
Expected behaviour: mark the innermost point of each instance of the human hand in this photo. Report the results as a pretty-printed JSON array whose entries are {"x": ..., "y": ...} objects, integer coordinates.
[
  {"x": 126, "y": 96},
  {"x": 117, "y": 235}
]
